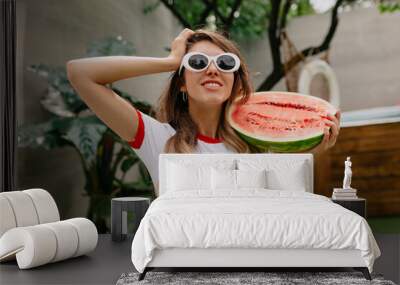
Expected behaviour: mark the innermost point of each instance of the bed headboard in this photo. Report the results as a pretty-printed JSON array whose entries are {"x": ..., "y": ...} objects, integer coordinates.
[{"x": 218, "y": 158}]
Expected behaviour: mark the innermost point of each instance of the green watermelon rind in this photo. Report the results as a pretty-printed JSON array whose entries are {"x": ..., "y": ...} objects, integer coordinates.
[{"x": 293, "y": 146}]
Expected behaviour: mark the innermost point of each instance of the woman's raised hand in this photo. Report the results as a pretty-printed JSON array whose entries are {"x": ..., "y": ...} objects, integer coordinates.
[{"x": 178, "y": 46}]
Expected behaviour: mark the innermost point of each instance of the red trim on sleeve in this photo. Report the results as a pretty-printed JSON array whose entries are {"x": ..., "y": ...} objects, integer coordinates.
[
  {"x": 138, "y": 139},
  {"x": 208, "y": 139}
]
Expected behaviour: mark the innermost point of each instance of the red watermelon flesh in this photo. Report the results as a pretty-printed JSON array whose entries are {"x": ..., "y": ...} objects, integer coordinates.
[{"x": 281, "y": 121}]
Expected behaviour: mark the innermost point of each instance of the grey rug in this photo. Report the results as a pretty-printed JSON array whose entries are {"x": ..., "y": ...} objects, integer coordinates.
[{"x": 273, "y": 278}]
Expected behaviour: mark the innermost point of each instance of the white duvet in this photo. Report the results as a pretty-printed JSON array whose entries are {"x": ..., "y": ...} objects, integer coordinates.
[{"x": 251, "y": 218}]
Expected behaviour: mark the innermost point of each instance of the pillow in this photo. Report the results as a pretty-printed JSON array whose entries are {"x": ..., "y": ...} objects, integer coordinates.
[
  {"x": 181, "y": 177},
  {"x": 219, "y": 163},
  {"x": 223, "y": 179},
  {"x": 282, "y": 174},
  {"x": 237, "y": 179},
  {"x": 295, "y": 180},
  {"x": 251, "y": 178}
]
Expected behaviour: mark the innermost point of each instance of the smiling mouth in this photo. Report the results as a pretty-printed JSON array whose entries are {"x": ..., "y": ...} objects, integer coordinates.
[{"x": 211, "y": 86}]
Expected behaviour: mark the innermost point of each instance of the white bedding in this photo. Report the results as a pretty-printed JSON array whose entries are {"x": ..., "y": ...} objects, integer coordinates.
[{"x": 251, "y": 218}]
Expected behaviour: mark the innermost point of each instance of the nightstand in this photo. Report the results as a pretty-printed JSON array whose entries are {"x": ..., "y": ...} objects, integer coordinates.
[
  {"x": 119, "y": 215},
  {"x": 358, "y": 205}
]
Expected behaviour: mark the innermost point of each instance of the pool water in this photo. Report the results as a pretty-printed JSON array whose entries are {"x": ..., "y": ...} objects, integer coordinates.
[{"x": 370, "y": 116}]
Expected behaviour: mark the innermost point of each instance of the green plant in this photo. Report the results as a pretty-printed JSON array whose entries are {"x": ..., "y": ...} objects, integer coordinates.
[
  {"x": 102, "y": 152},
  {"x": 388, "y": 6}
]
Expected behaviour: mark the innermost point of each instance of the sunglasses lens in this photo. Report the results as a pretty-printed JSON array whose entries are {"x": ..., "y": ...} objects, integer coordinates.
[
  {"x": 198, "y": 61},
  {"x": 226, "y": 62}
]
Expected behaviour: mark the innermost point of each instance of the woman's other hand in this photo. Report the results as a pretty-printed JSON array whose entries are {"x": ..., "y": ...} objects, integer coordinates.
[
  {"x": 331, "y": 133},
  {"x": 178, "y": 47}
]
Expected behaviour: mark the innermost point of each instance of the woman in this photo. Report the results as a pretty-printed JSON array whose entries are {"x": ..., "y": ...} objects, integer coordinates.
[{"x": 192, "y": 113}]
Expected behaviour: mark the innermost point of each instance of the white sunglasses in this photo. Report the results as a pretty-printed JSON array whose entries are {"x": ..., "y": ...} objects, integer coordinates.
[{"x": 198, "y": 61}]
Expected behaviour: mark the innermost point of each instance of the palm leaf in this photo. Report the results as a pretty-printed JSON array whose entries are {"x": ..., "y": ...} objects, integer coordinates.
[{"x": 85, "y": 133}]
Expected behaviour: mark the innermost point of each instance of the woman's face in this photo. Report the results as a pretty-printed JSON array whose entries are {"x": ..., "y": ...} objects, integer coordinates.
[{"x": 196, "y": 82}]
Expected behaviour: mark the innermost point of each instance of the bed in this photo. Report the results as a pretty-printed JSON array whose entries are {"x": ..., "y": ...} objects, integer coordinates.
[{"x": 245, "y": 211}]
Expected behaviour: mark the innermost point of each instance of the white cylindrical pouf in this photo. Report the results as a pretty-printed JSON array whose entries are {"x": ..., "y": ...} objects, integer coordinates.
[
  {"x": 67, "y": 239},
  {"x": 31, "y": 230},
  {"x": 7, "y": 218},
  {"x": 45, "y": 205},
  {"x": 87, "y": 234},
  {"x": 34, "y": 245},
  {"x": 23, "y": 207}
]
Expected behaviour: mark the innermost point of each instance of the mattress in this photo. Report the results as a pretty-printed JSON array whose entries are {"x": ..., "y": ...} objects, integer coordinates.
[{"x": 250, "y": 218}]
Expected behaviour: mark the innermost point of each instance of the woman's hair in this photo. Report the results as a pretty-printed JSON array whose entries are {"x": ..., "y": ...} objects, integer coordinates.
[{"x": 173, "y": 110}]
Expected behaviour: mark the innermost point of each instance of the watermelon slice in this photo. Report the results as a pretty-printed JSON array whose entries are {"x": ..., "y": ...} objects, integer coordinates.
[{"x": 280, "y": 121}]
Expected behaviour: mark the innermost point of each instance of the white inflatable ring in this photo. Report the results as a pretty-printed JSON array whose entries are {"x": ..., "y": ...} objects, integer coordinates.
[{"x": 313, "y": 68}]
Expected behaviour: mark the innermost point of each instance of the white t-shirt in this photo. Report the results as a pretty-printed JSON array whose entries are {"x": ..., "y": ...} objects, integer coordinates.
[{"x": 152, "y": 136}]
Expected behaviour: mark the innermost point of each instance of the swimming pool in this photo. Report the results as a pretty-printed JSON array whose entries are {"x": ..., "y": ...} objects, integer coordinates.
[{"x": 380, "y": 115}]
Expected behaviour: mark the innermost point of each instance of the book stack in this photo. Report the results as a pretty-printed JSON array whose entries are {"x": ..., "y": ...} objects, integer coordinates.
[{"x": 344, "y": 194}]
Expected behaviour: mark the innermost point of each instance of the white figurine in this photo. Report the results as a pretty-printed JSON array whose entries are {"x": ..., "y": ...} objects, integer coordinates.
[{"x": 347, "y": 174}]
